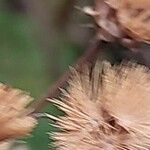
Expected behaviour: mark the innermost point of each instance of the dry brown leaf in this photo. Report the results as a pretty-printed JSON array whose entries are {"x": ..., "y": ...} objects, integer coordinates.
[{"x": 5, "y": 145}]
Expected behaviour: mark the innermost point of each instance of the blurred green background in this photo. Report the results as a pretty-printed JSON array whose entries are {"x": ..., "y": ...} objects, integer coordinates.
[{"x": 38, "y": 40}]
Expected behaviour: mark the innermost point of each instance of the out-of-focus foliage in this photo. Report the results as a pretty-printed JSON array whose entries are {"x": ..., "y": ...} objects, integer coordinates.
[{"x": 126, "y": 21}]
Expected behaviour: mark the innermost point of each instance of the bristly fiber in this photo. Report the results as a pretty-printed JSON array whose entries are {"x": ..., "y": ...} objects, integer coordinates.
[{"x": 106, "y": 109}]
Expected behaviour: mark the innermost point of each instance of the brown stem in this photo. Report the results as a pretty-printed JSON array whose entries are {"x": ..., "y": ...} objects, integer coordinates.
[
  {"x": 54, "y": 91},
  {"x": 65, "y": 12}
]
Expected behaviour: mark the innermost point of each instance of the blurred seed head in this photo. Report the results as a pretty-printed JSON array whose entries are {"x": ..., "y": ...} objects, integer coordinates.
[
  {"x": 107, "y": 108},
  {"x": 14, "y": 118}
]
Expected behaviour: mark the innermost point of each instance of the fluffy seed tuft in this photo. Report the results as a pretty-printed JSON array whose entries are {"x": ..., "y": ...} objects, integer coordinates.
[
  {"x": 14, "y": 119},
  {"x": 106, "y": 109}
]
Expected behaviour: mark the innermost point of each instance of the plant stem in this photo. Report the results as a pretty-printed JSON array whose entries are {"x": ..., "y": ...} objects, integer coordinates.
[{"x": 88, "y": 56}]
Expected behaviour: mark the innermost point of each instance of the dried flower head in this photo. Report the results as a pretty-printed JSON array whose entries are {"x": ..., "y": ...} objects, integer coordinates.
[
  {"x": 125, "y": 20},
  {"x": 134, "y": 16},
  {"x": 106, "y": 109},
  {"x": 14, "y": 121}
]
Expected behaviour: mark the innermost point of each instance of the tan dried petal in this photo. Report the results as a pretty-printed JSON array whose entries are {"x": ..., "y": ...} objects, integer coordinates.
[
  {"x": 108, "y": 108},
  {"x": 14, "y": 121}
]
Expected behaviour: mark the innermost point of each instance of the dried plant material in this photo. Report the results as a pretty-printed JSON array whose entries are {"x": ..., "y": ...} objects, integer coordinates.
[
  {"x": 14, "y": 121},
  {"x": 106, "y": 109},
  {"x": 134, "y": 16},
  {"x": 123, "y": 20},
  {"x": 5, "y": 145}
]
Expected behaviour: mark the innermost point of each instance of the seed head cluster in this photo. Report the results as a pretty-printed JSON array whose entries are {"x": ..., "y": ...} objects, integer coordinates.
[
  {"x": 126, "y": 21},
  {"x": 107, "y": 108},
  {"x": 14, "y": 119}
]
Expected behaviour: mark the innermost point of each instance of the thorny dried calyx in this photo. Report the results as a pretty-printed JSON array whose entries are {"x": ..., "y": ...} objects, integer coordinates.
[
  {"x": 127, "y": 21},
  {"x": 108, "y": 109}
]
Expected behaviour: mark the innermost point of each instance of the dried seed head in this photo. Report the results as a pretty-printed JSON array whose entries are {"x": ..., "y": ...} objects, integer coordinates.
[
  {"x": 106, "y": 109},
  {"x": 123, "y": 20},
  {"x": 134, "y": 16},
  {"x": 14, "y": 121}
]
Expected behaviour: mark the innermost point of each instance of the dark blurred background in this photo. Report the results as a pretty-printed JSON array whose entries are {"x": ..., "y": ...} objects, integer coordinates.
[{"x": 38, "y": 40}]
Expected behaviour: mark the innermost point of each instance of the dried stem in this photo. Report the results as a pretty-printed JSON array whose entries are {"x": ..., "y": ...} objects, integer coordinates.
[{"x": 54, "y": 91}]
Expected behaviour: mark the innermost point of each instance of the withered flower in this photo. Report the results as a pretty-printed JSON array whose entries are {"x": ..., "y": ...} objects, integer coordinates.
[
  {"x": 127, "y": 21},
  {"x": 107, "y": 108},
  {"x": 14, "y": 119}
]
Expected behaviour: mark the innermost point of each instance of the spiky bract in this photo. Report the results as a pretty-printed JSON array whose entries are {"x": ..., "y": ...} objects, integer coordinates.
[{"x": 108, "y": 109}]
